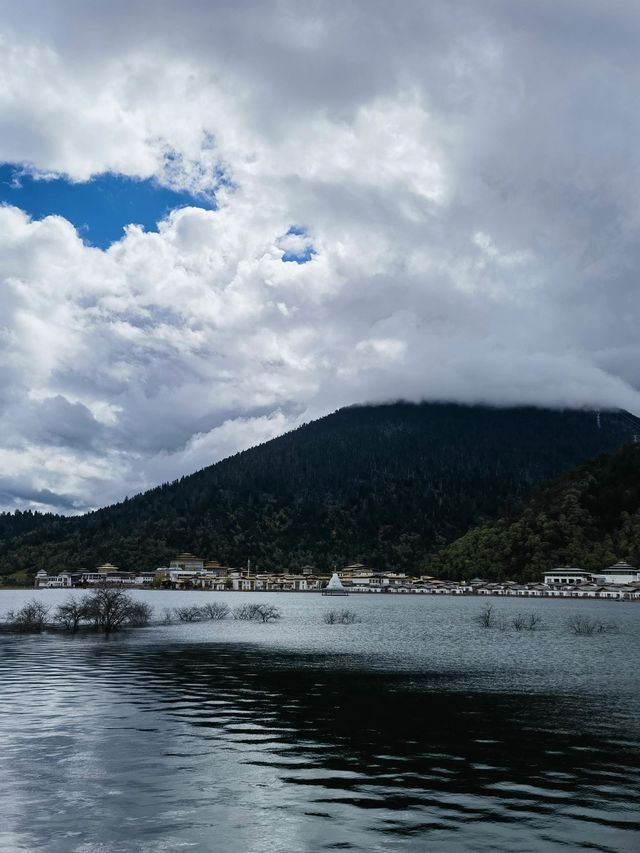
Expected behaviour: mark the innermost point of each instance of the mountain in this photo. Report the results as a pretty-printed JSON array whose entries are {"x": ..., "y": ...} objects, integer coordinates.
[
  {"x": 589, "y": 518},
  {"x": 20, "y": 522},
  {"x": 386, "y": 485}
]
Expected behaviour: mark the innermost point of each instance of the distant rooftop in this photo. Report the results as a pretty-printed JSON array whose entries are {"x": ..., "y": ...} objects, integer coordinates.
[
  {"x": 107, "y": 567},
  {"x": 568, "y": 570}
]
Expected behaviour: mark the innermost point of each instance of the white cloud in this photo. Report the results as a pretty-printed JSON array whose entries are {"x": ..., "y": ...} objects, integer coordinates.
[{"x": 466, "y": 177}]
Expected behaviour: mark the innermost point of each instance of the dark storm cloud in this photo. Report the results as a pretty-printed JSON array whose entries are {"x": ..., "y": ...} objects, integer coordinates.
[{"x": 15, "y": 494}]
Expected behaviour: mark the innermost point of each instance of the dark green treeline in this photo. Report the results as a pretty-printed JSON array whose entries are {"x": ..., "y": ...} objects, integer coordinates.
[{"x": 386, "y": 485}]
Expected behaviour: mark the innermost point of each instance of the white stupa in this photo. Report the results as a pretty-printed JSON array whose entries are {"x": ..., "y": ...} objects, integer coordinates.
[{"x": 334, "y": 587}]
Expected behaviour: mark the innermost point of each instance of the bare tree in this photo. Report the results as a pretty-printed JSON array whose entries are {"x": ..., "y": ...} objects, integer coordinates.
[
  {"x": 522, "y": 622},
  {"x": 257, "y": 612},
  {"x": 534, "y": 622},
  {"x": 139, "y": 614},
  {"x": 110, "y": 608},
  {"x": 268, "y": 612},
  {"x": 587, "y": 625},
  {"x": 106, "y": 608},
  {"x": 244, "y": 612},
  {"x": 487, "y": 617},
  {"x": 71, "y": 613},
  {"x": 215, "y": 610},
  {"x": 518, "y": 622},
  {"x": 340, "y": 617},
  {"x": 31, "y": 616},
  {"x": 211, "y": 610},
  {"x": 189, "y": 614}
]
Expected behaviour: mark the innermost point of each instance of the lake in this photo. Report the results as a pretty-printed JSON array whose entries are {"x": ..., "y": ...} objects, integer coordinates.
[{"x": 412, "y": 730}]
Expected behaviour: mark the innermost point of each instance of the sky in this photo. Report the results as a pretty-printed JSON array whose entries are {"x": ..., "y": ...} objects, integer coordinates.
[
  {"x": 221, "y": 220},
  {"x": 100, "y": 208}
]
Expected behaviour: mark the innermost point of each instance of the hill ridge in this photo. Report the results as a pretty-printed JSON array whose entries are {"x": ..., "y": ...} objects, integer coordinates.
[
  {"x": 388, "y": 485},
  {"x": 589, "y": 518}
]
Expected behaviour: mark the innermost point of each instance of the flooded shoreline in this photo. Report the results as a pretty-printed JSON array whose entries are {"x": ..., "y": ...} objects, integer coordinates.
[{"x": 410, "y": 729}]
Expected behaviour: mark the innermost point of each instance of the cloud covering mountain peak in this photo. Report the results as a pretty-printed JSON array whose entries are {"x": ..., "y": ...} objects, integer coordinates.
[{"x": 457, "y": 183}]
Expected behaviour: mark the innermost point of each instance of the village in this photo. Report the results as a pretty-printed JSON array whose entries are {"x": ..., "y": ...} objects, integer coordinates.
[{"x": 620, "y": 581}]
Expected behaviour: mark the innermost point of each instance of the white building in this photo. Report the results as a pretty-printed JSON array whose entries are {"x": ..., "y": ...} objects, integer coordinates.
[
  {"x": 187, "y": 562},
  {"x": 177, "y": 576},
  {"x": 566, "y": 575},
  {"x": 104, "y": 577},
  {"x": 47, "y": 581},
  {"x": 620, "y": 573}
]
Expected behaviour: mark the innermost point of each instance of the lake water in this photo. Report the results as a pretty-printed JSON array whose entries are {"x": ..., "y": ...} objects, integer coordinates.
[{"x": 412, "y": 730}]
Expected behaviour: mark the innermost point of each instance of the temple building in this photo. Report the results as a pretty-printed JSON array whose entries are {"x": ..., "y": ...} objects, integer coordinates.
[
  {"x": 187, "y": 563},
  {"x": 619, "y": 573}
]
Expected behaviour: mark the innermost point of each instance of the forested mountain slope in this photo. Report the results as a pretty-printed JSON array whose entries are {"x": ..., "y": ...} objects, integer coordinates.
[
  {"x": 387, "y": 485},
  {"x": 590, "y": 518},
  {"x": 20, "y": 522}
]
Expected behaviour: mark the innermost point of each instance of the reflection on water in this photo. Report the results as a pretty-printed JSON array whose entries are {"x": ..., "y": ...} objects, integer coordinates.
[{"x": 148, "y": 744}]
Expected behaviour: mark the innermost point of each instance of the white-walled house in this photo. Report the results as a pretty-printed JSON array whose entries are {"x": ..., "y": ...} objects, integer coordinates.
[
  {"x": 212, "y": 582},
  {"x": 606, "y": 583},
  {"x": 632, "y": 593},
  {"x": 103, "y": 577},
  {"x": 44, "y": 580},
  {"x": 620, "y": 573}
]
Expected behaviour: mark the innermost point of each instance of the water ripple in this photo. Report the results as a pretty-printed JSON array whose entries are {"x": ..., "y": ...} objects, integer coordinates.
[{"x": 144, "y": 745}]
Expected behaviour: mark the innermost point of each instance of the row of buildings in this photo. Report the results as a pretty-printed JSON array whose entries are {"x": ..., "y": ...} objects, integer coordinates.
[{"x": 187, "y": 571}]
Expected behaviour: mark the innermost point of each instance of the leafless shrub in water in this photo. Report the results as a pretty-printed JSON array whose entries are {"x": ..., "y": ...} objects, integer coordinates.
[
  {"x": 215, "y": 610},
  {"x": 110, "y": 608},
  {"x": 340, "y": 617},
  {"x": 490, "y": 618},
  {"x": 189, "y": 614},
  {"x": 518, "y": 622},
  {"x": 534, "y": 622},
  {"x": 30, "y": 617},
  {"x": 139, "y": 614},
  {"x": 71, "y": 613},
  {"x": 487, "y": 617},
  {"x": 104, "y": 608},
  {"x": 589, "y": 625},
  {"x": 257, "y": 612},
  {"x": 524, "y": 622}
]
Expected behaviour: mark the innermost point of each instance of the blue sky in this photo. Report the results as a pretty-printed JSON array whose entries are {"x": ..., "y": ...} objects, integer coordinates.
[
  {"x": 99, "y": 208},
  {"x": 304, "y": 251}
]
